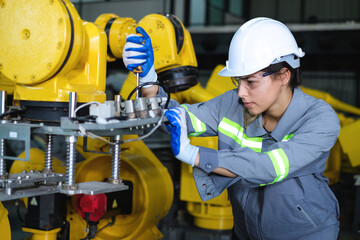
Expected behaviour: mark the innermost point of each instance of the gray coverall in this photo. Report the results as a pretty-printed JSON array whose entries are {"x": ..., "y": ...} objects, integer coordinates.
[{"x": 280, "y": 191}]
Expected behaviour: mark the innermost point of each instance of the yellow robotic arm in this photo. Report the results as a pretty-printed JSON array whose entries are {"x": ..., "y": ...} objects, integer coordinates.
[{"x": 47, "y": 52}]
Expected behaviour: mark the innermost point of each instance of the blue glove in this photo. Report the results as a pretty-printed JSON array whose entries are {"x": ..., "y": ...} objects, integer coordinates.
[
  {"x": 138, "y": 52},
  {"x": 180, "y": 143}
]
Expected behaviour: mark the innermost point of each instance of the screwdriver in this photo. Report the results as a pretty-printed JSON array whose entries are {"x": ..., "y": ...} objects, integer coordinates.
[{"x": 138, "y": 70}]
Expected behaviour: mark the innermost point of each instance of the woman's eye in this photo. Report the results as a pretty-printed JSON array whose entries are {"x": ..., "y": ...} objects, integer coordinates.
[{"x": 251, "y": 82}]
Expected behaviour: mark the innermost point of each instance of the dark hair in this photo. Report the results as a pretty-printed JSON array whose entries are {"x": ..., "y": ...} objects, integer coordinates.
[{"x": 295, "y": 79}]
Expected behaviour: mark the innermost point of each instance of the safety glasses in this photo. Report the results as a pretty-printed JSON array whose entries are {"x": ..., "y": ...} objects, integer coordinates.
[{"x": 251, "y": 82}]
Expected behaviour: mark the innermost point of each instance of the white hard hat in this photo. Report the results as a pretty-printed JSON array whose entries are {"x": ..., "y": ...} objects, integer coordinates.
[{"x": 259, "y": 43}]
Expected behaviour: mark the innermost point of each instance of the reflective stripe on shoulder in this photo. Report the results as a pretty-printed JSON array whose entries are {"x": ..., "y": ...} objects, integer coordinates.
[
  {"x": 236, "y": 132},
  {"x": 280, "y": 163},
  {"x": 287, "y": 137},
  {"x": 198, "y": 125}
]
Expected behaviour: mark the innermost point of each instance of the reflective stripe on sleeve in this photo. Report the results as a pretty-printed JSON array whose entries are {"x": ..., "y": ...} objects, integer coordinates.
[
  {"x": 281, "y": 164},
  {"x": 231, "y": 129},
  {"x": 198, "y": 125},
  {"x": 253, "y": 143},
  {"x": 236, "y": 132}
]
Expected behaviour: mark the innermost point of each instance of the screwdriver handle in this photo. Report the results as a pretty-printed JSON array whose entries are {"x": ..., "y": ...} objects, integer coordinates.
[{"x": 138, "y": 68}]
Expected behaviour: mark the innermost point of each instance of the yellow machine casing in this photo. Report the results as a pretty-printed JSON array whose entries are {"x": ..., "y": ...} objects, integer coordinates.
[
  {"x": 49, "y": 51},
  {"x": 349, "y": 144},
  {"x": 152, "y": 192},
  {"x": 4, "y": 223},
  {"x": 117, "y": 29},
  {"x": 214, "y": 214},
  {"x": 174, "y": 56},
  {"x": 6, "y": 84},
  {"x": 169, "y": 51}
]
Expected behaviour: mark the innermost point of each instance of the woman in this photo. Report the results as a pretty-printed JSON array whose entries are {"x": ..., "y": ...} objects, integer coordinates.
[{"x": 274, "y": 140}]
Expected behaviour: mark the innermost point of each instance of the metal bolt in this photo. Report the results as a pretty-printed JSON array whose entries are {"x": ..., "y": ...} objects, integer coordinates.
[
  {"x": 2, "y": 160},
  {"x": 49, "y": 152},
  {"x": 71, "y": 156},
  {"x": 2, "y": 141},
  {"x": 115, "y": 176},
  {"x": 8, "y": 190}
]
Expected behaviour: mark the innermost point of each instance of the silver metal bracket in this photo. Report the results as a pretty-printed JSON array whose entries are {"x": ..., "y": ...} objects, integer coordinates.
[
  {"x": 28, "y": 184},
  {"x": 92, "y": 188}
]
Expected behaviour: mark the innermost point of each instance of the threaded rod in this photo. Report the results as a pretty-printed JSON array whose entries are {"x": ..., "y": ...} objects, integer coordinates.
[
  {"x": 2, "y": 141},
  {"x": 116, "y": 159},
  {"x": 49, "y": 152},
  {"x": 2, "y": 160},
  {"x": 70, "y": 163}
]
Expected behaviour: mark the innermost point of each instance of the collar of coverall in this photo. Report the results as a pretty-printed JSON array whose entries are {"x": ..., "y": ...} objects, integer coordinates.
[{"x": 293, "y": 113}]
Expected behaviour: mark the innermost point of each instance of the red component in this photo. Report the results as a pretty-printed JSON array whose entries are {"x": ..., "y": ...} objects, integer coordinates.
[{"x": 94, "y": 205}]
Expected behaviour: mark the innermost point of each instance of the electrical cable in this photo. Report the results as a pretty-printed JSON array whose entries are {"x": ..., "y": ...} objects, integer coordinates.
[
  {"x": 152, "y": 83},
  {"x": 87, "y": 237},
  {"x": 17, "y": 205},
  {"x": 11, "y": 112},
  {"x": 64, "y": 234},
  {"x": 149, "y": 133},
  {"x": 89, "y": 118},
  {"x": 84, "y": 105},
  {"x": 94, "y": 136},
  {"x": 109, "y": 224}
]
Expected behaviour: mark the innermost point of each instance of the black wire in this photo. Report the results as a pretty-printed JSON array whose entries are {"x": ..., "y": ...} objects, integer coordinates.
[
  {"x": 11, "y": 112},
  {"x": 89, "y": 118},
  {"x": 152, "y": 83},
  {"x": 117, "y": 118},
  {"x": 64, "y": 234},
  {"x": 108, "y": 225},
  {"x": 17, "y": 204},
  {"x": 87, "y": 226}
]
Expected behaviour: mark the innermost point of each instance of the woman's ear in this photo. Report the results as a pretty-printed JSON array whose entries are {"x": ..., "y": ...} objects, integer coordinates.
[{"x": 285, "y": 76}]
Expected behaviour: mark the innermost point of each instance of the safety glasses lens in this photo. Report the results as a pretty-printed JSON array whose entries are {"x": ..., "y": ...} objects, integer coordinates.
[{"x": 235, "y": 81}]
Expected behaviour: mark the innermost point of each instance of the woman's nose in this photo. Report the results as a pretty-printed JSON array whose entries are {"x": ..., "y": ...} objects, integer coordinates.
[{"x": 242, "y": 91}]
